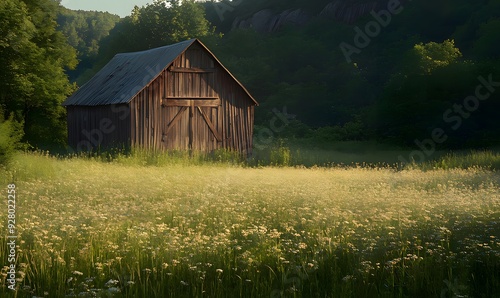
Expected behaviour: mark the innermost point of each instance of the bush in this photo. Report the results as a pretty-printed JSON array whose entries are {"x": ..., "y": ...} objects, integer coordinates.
[
  {"x": 10, "y": 137},
  {"x": 280, "y": 155},
  {"x": 475, "y": 159}
]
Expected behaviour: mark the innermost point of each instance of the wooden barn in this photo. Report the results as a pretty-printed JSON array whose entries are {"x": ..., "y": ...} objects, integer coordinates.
[{"x": 177, "y": 97}]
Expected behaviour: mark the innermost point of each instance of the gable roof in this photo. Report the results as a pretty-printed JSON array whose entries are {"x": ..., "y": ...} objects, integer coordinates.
[{"x": 127, "y": 74}]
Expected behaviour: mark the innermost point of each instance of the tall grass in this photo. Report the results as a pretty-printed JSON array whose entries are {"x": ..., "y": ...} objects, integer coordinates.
[
  {"x": 95, "y": 228},
  {"x": 344, "y": 154},
  {"x": 483, "y": 159},
  {"x": 151, "y": 157},
  {"x": 281, "y": 154}
]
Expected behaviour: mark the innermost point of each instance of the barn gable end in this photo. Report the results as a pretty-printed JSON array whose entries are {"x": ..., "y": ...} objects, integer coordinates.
[{"x": 177, "y": 97}]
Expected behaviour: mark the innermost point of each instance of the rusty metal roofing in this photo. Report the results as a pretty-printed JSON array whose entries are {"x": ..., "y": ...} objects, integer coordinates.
[{"x": 128, "y": 73}]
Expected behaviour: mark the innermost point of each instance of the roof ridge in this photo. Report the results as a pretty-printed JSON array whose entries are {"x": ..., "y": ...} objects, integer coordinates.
[{"x": 190, "y": 41}]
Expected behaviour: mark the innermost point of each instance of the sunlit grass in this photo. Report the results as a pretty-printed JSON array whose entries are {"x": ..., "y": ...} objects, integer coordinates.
[
  {"x": 484, "y": 159},
  {"x": 121, "y": 229}
]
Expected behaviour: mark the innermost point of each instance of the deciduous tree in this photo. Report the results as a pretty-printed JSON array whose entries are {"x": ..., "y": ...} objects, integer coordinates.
[{"x": 33, "y": 59}]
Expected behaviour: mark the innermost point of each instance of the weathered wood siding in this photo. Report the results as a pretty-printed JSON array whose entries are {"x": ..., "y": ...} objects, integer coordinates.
[
  {"x": 98, "y": 127},
  {"x": 146, "y": 117},
  {"x": 194, "y": 104}
]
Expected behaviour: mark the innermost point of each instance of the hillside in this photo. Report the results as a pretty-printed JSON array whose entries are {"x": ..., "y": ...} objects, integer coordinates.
[
  {"x": 84, "y": 30},
  {"x": 315, "y": 59},
  {"x": 271, "y": 16}
]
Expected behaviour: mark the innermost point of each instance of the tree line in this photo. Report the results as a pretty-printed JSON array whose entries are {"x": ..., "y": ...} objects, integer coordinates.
[{"x": 397, "y": 89}]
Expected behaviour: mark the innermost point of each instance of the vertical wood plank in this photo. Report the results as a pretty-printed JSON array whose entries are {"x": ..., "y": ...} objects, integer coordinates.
[
  {"x": 147, "y": 118},
  {"x": 191, "y": 124}
]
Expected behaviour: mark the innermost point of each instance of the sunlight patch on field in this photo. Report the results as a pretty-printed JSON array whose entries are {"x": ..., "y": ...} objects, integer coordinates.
[{"x": 223, "y": 231}]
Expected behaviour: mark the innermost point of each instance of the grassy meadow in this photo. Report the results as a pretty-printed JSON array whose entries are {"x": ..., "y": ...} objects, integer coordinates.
[{"x": 122, "y": 228}]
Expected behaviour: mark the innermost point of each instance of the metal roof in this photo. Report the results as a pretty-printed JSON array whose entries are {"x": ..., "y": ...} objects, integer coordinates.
[{"x": 127, "y": 74}]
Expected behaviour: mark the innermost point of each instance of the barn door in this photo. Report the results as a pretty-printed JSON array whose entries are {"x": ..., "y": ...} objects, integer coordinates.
[
  {"x": 192, "y": 113},
  {"x": 192, "y": 123}
]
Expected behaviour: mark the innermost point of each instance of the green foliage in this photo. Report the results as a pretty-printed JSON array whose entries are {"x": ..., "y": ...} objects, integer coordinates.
[
  {"x": 433, "y": 55},
  {"x": 350, "y": 131},
  {"x": 400, "y": 85},
  {"x": 11, "y": 134},
  {"x": 156, "y": 24},
  {"x": 487, "y": 45},
  {"x": 280, "y": 154},
  {"x": 164, "y": 22},
  {"x": 138, "y": 156},
  {"x": 475, "y": 36},
  {"x": 487, "y": 160},
  {"x": 429, "y": 92},
  {"x": 33, "y": 57},
  {"x": 84, "y": 30}
]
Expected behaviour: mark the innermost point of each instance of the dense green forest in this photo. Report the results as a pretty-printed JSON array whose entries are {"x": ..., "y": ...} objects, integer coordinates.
[
  {"x": 399, "y": 72},
  {"x": 84, "y": 31},
  {"x": 399, "y": 88},
  {"x": 34, "y": 57}
]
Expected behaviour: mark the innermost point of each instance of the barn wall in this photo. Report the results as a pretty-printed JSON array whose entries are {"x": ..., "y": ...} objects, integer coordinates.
[
  {"x": 152, "y": 110},
  {"x": 146, "y": 117},
  {"x": 238, "y": 114},
  {"x": 99, "y": 127}
]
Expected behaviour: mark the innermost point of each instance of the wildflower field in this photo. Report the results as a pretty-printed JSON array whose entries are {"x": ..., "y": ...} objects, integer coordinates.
[{"x": 89, "y": 228}]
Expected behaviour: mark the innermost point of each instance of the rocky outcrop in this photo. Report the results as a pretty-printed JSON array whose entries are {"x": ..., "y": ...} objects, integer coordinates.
[
  {"x": 348, "y": 12},
  {"x": 267, "y": 20}
]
